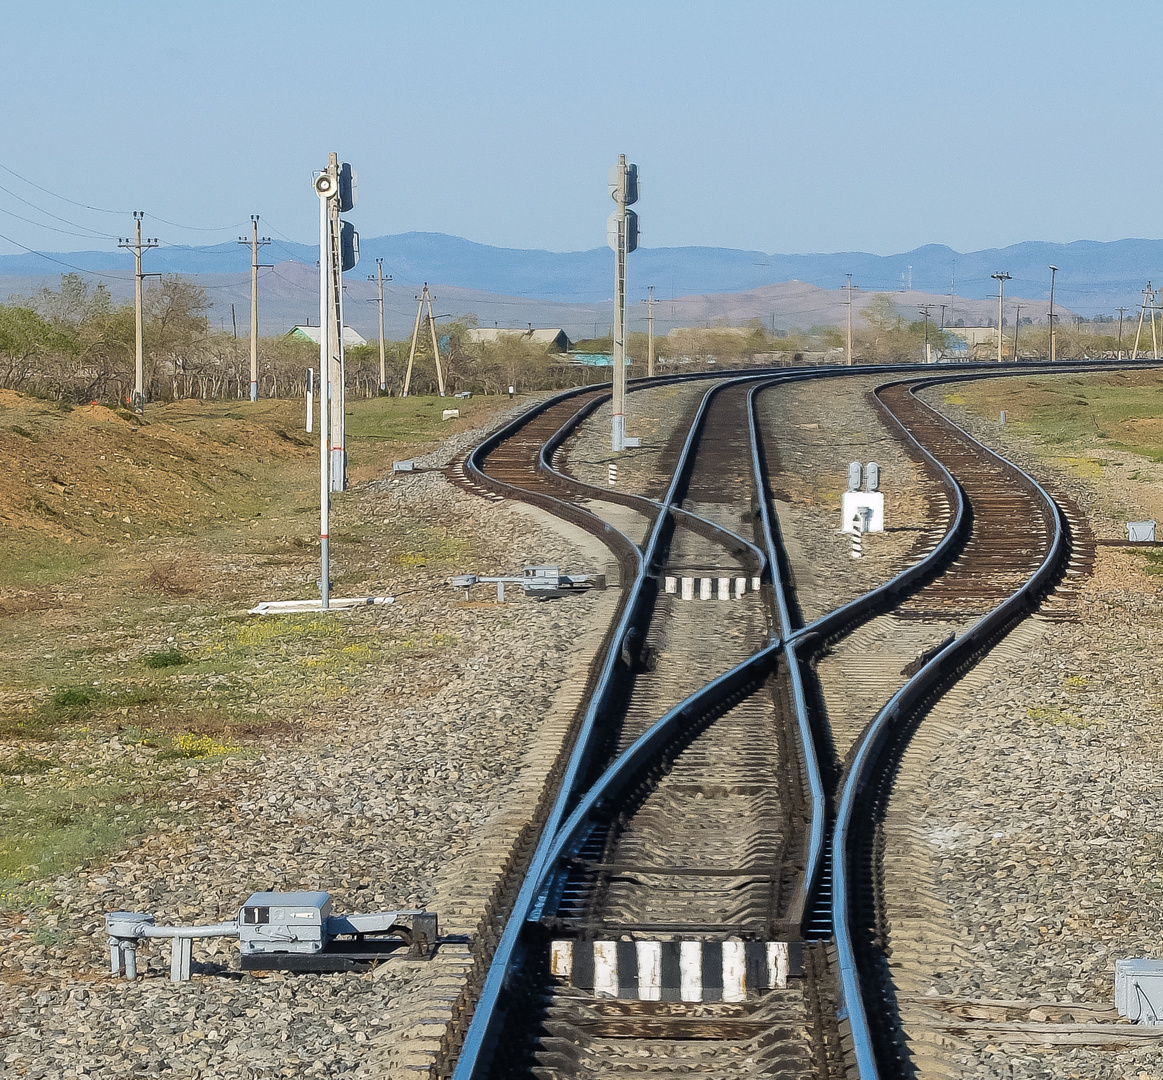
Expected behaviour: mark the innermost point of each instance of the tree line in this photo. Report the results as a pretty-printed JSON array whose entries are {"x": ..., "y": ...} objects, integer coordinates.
[{"x": 73, "y": 342}]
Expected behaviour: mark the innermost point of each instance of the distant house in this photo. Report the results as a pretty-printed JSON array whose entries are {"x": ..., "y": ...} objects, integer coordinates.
[
  {"x": 555, "y": 339},
  {"x": 971, "y": 342},
  {"x": 311, "y": 334}
]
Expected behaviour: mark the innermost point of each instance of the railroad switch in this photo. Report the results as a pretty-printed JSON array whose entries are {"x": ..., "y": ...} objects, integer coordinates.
[
  {"x": 277, "y": 931},
  {"x": 540, "y": 581}
]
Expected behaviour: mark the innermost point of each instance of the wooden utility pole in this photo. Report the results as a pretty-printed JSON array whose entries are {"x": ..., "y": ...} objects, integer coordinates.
[
  {"x": 649, "y": 302},
  {"x": 255, "y": 243},
  {"x": 380, "y": 300},
  {"x": 1001, "y": 279},
  {"x": 1147, "y": 292},
  {"x": 927, "y": 311},
  {"x": 136, "y": 246},
  {"x": 424, "y": 298}
]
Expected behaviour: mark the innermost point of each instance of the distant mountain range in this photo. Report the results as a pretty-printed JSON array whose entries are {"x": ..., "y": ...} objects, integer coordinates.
[{"x": 573, "y": 289}]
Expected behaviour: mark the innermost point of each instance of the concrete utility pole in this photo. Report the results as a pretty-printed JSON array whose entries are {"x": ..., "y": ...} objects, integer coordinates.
[
  {"x": 338, "y": 373},
  {"x": 1001, "y": 279},
  {"x": 1154, "y": 339},
  {"x": 136, "y": 246},
  {"x": 425, "y": 297},
  {"x": 327, "y": 188},
  {"x": 255, "y": 243},
  {"x": 649, "y": 302},
  {"x": 1053, "y": 272},
  {"x": 848, "y": 348},
  {"x": 380, "y": 300}
]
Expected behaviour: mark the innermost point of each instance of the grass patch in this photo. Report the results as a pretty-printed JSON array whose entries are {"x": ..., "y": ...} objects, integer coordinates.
[
  {"x": 1086, "y": 468},
  {"x": 73, "y": 705},
  {"x": 41, "y": 561},
  {"x": 168, "y": 658},
  {"x": 195, "y": 747},
  {"x": 1058, "y": 717}
]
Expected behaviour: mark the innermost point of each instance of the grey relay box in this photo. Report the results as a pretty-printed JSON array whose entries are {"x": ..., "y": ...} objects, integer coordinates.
[{"x": 290, "y": 922}]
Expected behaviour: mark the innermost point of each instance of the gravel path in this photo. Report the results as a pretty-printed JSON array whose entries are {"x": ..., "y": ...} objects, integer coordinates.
[{"x": 813, "y": 430}]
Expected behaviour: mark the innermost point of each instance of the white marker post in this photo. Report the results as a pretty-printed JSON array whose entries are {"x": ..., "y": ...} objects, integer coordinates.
[{"x": 310, "y": 398}]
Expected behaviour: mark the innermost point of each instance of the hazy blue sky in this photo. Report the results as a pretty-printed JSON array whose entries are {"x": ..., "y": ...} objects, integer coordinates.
[{"x": 806, "y": 126}]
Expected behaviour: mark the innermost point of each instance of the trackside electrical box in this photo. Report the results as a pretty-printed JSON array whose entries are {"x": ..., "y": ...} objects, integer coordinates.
[{"x": 1139, "y": 990}]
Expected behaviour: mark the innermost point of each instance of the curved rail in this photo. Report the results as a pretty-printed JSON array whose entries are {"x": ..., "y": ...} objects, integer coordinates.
[
  {"x": 904, "y": 703},
  {"x": 811, "y": 761}
]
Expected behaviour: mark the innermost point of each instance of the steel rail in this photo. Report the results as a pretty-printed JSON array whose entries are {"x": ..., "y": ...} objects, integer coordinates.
[
  {"x": 910, "y": 697},
  {"x": 811, "y": 762},
  {"x": 476, "y": 1051}
]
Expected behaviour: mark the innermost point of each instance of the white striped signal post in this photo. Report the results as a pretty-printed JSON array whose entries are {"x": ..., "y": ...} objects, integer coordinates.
[{"x": 613, "y": 473}]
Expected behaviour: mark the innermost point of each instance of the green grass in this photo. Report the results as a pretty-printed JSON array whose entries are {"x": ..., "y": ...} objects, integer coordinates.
[
  {"x": 51, "y": 829},
  {"x": 166, "y": 658},
  {"x": 42, "y": 561},
  {"x": 1120, "y": 408},
  {"x": 405, "y": 420}
]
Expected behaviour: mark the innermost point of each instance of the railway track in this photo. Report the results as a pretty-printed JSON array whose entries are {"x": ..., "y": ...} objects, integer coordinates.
[{"x": 676, "y": 905}]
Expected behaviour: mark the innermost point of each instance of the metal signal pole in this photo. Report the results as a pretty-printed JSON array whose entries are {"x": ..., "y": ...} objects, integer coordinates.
[
  {"x": 619, "y": 331},
  {"x": 622, "y": 236},
  {"x": 380, "y": 300},
  {"x": 326, "y": 187},
  {"x": 1017, "y": 324},
  {"x": 255, "y": 243},
  {"x": 1001, "y": 280},
  {"x": 1120, "y": 347},
  {"x": 649, "y": 302},
  {"x": 136, "y": 246}
]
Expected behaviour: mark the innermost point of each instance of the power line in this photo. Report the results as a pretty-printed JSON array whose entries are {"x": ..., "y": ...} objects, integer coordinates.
[{"x": 106, "y": 210}]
